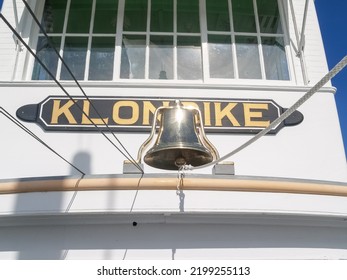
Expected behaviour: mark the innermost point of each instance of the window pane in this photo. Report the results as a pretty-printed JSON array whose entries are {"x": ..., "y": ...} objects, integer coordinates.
[
  {"x": 133, "y": 57},
  {"x": 217, "y": 15},
  {"x": 105, "y": 20},
  {"x": 220, "y": 56},
  {"x": 53, "y": 16},
  {"x": 188, "y": 16},
  {"x": 189, "y": 58},
  {"x": 161, "y": 57},
  {"x": 269, "y": 18},
  {"x": 75, "y": 57},
  {"x": 248, "y": 57},
  {"x": 276, "y": 67},
  {"x": 79, "y": 16},
  {"x": 162, "y": 16},
  {"x": 135, "y": 15},
  {"x": 243, "y": 15},
  {"x": 49, "y": 58},
  {"x": 101, "y": 58}
]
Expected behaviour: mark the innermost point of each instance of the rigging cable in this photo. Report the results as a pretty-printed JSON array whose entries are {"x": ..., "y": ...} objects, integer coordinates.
[
  {"x": 83, "y": 92},
  {"x": 27, "y": 130},
  {"x": 338, "y": 67},
  {"x": 64, "y": 90},
  {"x": 75, "y": 80}
]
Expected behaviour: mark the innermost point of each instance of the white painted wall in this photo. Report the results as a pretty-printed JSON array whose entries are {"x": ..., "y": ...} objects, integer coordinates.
[
  {"x": 310, "y": 150},
  {"x": 10, "y": 52},
  {"x": 219, "y": 225},
  {"x": 314, "y": 54},
  {"x": 210, "y": 225},
  {"x": 172, "y": 242}
]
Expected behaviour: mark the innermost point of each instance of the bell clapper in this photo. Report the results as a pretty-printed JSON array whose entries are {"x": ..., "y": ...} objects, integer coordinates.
[{"x": 180, "y": 161}]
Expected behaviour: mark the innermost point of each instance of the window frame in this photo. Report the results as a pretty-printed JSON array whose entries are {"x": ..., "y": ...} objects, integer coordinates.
[{"x": 205, "y": 78}]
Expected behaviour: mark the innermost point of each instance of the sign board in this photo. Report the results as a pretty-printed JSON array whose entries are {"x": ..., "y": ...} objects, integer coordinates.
[{"x": 134, "y": 114}]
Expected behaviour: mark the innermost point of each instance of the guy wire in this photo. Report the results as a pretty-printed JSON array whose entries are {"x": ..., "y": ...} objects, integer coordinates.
[
  {"x": 75, "y": 80},
  {"x": 78, "y": 84},
  {"x": 27, "y": 130},
  {"x": 63, "y": 89}
]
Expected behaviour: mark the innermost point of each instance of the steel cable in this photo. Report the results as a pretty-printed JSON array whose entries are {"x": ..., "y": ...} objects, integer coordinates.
[
  {"x": 76, "y": 81},
  {"x": 28, "y": 131},
  {"x": 64, "y": 90}
]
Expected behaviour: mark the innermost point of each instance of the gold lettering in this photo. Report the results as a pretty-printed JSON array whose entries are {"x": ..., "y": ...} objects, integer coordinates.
[
  {"x": 63, "y": 110},
  {"x": 85, "y": 120},
  {"x": 250, "y": 114},
  {"x": 135, "y": 112},
  {"x": 207, "y": 114},
  {"x": 226, "y": 112},
  {"x": 148, "y": 107}
]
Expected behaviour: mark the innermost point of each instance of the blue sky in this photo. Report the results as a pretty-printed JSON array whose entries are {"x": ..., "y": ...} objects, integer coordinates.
[{"x": 332, "y": 15}]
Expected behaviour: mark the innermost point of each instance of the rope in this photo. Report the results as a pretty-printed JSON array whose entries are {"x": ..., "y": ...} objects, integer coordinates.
[
  {"x": 180, "y": 176},
  {"x": 338, "y": 67}
]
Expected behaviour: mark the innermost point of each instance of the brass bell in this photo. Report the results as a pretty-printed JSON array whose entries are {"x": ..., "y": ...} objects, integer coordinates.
[{"x": 181, "y": 139}]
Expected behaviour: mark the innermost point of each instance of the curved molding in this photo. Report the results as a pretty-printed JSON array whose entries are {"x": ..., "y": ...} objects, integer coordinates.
[{"x": 166, "y": 182}]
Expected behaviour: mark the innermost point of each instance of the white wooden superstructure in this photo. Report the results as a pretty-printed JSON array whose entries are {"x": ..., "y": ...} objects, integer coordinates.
[{"x": 288, "y": 199}]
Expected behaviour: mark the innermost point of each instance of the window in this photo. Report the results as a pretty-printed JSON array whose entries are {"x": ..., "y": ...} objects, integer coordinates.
[
  {"x": 85, "y": 33},
  {"x": 199, "y": 40}
]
